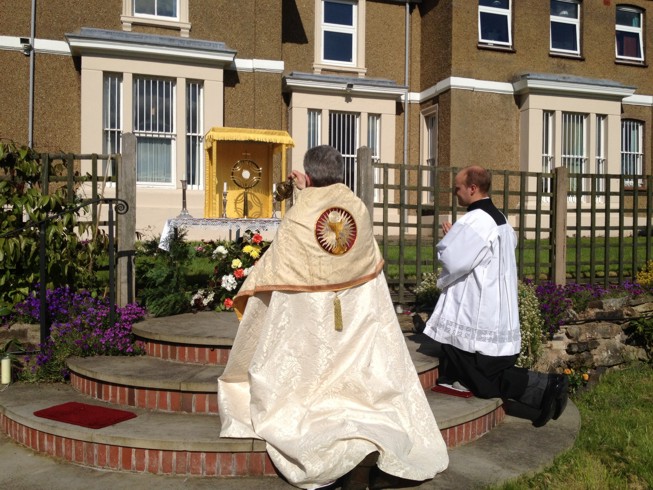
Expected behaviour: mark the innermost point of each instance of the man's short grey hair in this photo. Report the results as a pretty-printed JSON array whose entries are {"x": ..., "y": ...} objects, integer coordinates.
[{"x": 324, "y": 165}]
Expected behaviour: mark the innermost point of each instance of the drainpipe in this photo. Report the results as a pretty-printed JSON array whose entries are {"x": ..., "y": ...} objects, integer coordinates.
[
  {"x": 406, "y": 105},
  {"x": 406, "y": 79},
  {"x": 30, "y": 122}
]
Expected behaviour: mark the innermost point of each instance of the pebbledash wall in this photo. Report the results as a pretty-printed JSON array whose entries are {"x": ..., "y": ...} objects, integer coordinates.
[{"x": 443, "y": 95}]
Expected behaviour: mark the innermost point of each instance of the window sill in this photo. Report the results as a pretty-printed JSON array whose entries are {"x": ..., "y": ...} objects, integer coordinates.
[
  {"x": 578, "y": 57},
  {"x": 318, "y": 68},
  {"x": 639, "y": 64},
  {"x": 128, "y": 21},
  {"x": 496, "y": 47}
]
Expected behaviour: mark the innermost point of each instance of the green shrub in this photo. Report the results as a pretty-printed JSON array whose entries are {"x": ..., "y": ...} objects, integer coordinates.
[
  {"x": 532, "y": 325},
  {"x": 70, "y": 259},
  {"x": 427, "y": 292},
  {"x": 164, "y": 284}
]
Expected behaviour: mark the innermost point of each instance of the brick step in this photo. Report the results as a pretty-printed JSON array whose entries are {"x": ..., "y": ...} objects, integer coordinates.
[
  {"x": 185, "y": 444},
  {"x": 147, "y": 382},
  {"x": 199, "y": 338}
]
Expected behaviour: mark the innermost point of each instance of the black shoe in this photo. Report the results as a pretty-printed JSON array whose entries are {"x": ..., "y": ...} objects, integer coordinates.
[
  {"x": 554, "y": 391},
  {"x": 418, "y": 323},
  {"x": 359, "y": 477},
  {"x": 561, "y": 401}
]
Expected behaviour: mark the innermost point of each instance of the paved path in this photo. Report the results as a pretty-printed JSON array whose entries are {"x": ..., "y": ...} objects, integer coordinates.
[{"x": 512, "y": 449}]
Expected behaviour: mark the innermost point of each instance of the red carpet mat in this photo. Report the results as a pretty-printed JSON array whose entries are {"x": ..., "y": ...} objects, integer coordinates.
[
  {"x": 452, "y": 391},
  {"x": 91, "y": 416}
]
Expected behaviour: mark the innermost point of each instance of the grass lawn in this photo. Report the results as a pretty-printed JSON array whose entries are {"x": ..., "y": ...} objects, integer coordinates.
[
  {"x": 583, "y": 254},
  {"x": 614, "y": 449}
]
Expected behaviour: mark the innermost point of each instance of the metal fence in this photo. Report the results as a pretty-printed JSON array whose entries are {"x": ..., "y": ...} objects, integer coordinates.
[{"x": 570, "y": 227}]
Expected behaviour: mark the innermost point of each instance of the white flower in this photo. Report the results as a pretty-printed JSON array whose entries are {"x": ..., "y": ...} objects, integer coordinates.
[
  {"x": 219, "y": 250},
  {"x": 247, "y": 271},
  {"x": 209, "y": 299},
  {"x": 229, "y": 282}
]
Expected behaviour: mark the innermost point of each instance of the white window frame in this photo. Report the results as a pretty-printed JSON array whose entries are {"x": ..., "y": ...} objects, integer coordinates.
[
  {"x": 575, "y": 21},
  {"x": 347, "y": 124},
  {"x": 194, "y": 171},
  {"x": 498, "y": 11},
  {"x": 147, "y": 125},
  {"x": 349, "y": 30},
  {"x": 180, "y": 23},
  {"x": 622, "y": 28},
  {"x": 632, "y": 156},
  {"x": 357, "y": 65}
]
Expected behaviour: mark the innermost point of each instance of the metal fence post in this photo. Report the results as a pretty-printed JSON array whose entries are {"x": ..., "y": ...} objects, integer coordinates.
[
  {"x": 126, "y": 224},
  {"x": 365, "y": 178},
  {"x": 561, "y": 177}
]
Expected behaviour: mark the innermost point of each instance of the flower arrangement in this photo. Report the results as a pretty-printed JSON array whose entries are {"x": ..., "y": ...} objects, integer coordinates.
[{"x": 233, "y": 262}]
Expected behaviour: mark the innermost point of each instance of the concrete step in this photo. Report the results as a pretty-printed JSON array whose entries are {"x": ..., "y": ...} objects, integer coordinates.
[
  {"x": 147, "y": 382},
  {"x": 204, "y": 338},
  {"x": 183, "y": 444}
]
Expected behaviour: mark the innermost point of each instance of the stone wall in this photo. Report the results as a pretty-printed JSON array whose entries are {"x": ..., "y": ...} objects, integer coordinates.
[{"x": 599, "y": 338}]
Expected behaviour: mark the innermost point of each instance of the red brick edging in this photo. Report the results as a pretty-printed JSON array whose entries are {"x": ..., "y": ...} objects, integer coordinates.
[
  {"x": 195, "y": 354},
  {"x": 149, "y": 398},
  {"x": 156, "y": 461}
]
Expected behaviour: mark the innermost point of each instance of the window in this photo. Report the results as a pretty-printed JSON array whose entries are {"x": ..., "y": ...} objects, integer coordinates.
[
  {"x": 112, "y": 117},
  {"x": 629, "y": 34},
  {"x": 339, "y": 32},
  {"x": 374, "y": 144},
  {"x": 194, "y": 125},
  {"x": 631, "y": 151},
  {"x": 494, "y": 23},
  {"x": 154, "y": 129},
  {"x": 574, "y": 148},
  {"x": 547, "y": 150},
  {"x": 343, "y": 136},
  {"x": 157, "y": 8},
  {"x": 565, "y": 26},
  {"x": 112, "y": 113},
  {"x": 599, "y": 167},
  {"x": 431, "y": 152},
  {"x": 314, "y": 128},
  {"x": 169, "y": 14}
]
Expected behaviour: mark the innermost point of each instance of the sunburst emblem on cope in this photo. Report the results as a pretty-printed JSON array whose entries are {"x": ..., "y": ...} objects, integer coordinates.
[{"x": 335, "y": 231}]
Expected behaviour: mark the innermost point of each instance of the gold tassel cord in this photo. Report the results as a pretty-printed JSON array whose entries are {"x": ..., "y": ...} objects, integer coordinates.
[{"x": 337, "y": 314}]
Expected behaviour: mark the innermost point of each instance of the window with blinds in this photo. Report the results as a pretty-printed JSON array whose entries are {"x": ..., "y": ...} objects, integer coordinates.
[
  {"x": 631, "y": 152},
  {"x": 574, "y": 148},
  {"x": 154, "y": 129},
  {"x": 112, "y": 116},
  {"x": 343, "y": 136}
]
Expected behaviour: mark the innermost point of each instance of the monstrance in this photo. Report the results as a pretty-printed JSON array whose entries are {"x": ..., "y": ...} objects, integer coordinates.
[{"x": 245, "y": 174}]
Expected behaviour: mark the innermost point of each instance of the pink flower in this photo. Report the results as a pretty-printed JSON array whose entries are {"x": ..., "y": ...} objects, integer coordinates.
[
  {"x": 228, "y": 303},
  {"x": 239, "y": 273},
  {"x": 257, "y": 238}
]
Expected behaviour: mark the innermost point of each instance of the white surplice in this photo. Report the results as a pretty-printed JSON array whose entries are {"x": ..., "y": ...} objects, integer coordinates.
[{"x": 478, "y": 308}]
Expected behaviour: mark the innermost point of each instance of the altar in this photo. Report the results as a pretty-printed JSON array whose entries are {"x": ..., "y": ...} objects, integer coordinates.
[{"x": 234, "y": 226}]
